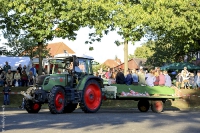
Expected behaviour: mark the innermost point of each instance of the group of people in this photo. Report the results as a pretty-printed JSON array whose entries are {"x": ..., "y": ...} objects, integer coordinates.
[
  {"x": 22, "y": 76},
  {"x": 155, "y": 77},
  {"x": 186, "y": 79}
]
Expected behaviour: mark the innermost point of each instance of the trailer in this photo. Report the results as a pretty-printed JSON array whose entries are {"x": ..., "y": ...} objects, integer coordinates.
[{"x": 147, "y": 96}]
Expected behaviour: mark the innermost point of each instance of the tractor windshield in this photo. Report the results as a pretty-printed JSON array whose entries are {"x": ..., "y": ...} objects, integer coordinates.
[{"x": 85, "y": 65}]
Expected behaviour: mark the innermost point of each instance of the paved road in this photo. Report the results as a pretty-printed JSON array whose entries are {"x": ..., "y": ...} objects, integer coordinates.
[{"x": 104, "y": 121}]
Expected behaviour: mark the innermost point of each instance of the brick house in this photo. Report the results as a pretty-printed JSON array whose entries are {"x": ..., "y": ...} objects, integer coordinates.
[
  {"x": 112, "y": 63},
  {"x": 55, "y": 49},
  {"x": 134, "y": 63}
]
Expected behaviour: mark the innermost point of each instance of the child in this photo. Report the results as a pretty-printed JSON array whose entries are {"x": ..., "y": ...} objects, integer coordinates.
[{"x": 6, "y": 91}]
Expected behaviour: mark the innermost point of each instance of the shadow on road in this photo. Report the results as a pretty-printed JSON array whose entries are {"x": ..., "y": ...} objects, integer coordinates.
[{"x": 20, "y": 119}]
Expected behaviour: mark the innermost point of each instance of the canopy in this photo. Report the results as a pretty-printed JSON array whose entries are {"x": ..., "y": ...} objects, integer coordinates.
[{"x": 180, "y": 66}]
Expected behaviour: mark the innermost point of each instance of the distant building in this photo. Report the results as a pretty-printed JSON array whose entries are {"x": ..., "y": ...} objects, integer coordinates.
[
  {"x": 112, "y": 63},
  {"x": 54, "y": 49},
  {"x": 134, "y": 63},
  {"x": 59, "y": 48}
]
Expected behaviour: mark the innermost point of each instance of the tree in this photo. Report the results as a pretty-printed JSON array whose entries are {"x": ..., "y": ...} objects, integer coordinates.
[
  {"x": 174, "y": 22},
  {"x": 46, "y": 19},
  {"x": 128, "y": 19},
  {"x": 145, "y": 51}
]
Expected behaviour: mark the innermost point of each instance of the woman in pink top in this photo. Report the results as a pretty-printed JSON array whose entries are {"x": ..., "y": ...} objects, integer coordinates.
[{"x": 161, "y": 79}]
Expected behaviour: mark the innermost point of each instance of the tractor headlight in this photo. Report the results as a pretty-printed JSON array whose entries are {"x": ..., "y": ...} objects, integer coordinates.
[{"x": 40, "y": 88}]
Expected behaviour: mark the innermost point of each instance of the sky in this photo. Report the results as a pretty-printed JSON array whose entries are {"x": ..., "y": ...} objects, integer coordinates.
[{"x": 103, "y": 50}]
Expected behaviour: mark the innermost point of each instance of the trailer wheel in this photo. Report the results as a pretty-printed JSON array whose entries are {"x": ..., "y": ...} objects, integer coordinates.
[
  {"x": 32, "y": 107},
  {"x": 56, "y": 100},
  {"x": 70, "y": 107},
  {"x": 143, "y": 105},
  {"x": 157, "y": 106},
  {"x": 92, "y": 97}
]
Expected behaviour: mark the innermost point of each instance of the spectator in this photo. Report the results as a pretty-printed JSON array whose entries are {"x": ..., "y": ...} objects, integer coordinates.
[
  {"x": 31, "y": 78},
  {"x": 108, "y": 74},
  {"x": 185, "y": 76},
  {"x": 120, "y": 79},
  {"x": 150, "y": 78},
  {"x": 128, "y": 78},
  {"x": 17, "y": 79},
  {"x": 6, "y": 91},
  {"x": 135, "y": 77},
  {"x": 157, "y": 69},
  {"x": 179, "y": 80},
  {"x": 112, "y": 79},
  {"x": 33, "y": 69},
  {"x": 156, "y": 74},
  {"x": 197, "y": 79},
  {"x": 191, "y": 80},
  {"x": 9, "y": 78},
  {"x": 168, "y": 81},
  {"x": 24, "y": 78},
  {"x": 2, "y": 78},
  {"x": 24, "y": 68},
  {"x": 20, "y": 69},
  {"x": 185, "y": 71},
  {"x": 161, "y": 79},
  {"x": 1, "y": 69},
  {"x": 141, "y": 76},
  {"x": 6, "y": 67}
]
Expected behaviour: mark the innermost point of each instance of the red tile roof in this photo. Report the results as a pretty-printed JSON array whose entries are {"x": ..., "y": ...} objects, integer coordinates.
[
  {"x": 134, "y": 63},
  {"x": 58, "y": 48},
  {"x": 112, "y": 63}
]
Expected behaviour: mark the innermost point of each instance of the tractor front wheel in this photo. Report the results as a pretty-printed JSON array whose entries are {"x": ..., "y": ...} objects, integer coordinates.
[
  {"x": 92, "y": 97},
  {"x": 56, "y": 100},
  {"x": 32, "y": 107}
]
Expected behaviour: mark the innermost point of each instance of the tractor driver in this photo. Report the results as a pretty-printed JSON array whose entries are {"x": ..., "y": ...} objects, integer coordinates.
[{"x": 77, "y": 69}]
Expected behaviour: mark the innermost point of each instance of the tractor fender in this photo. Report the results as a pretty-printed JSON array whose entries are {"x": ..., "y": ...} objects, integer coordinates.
[{"x": 84, "y": 80}]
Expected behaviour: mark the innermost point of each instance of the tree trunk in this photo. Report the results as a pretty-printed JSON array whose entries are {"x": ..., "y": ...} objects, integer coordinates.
[
  {"x": 40, "y": 47},
  {"x": 125, "y": 56}
]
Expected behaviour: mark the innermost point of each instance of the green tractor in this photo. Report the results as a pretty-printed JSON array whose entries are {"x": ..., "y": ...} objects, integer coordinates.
[{"x": 73, "y": 84}]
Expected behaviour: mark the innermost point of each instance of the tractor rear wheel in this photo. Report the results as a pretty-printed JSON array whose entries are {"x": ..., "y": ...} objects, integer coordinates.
[
  {"x": 143, "y": 105},
  {"x": 157, "y": 106},
  {"x": 70, "y": 107},
  {"x": 56, "y": 100},
  {"x": 32, "y": 107},
  {"x": 92, "y": 97}
]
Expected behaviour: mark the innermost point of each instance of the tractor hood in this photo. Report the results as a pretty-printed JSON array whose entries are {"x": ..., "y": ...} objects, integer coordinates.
[{"x": 40, "y": 79}]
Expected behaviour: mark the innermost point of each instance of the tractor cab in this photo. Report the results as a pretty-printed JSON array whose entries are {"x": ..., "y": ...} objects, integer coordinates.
[
  {"x": 71, "y": 64},
  {"x": 74, "y": 68}
]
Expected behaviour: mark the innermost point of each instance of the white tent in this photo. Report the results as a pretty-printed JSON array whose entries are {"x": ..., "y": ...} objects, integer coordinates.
[{"x": 15, "y": 61}]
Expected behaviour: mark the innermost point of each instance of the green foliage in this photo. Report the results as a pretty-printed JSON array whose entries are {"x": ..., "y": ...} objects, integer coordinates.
[
  {"x": 143, "y": 52},
  {"x": 174, "y": 22},
  {"x": 98, "y": 67},
  {"x": 46, "y": 19}
]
